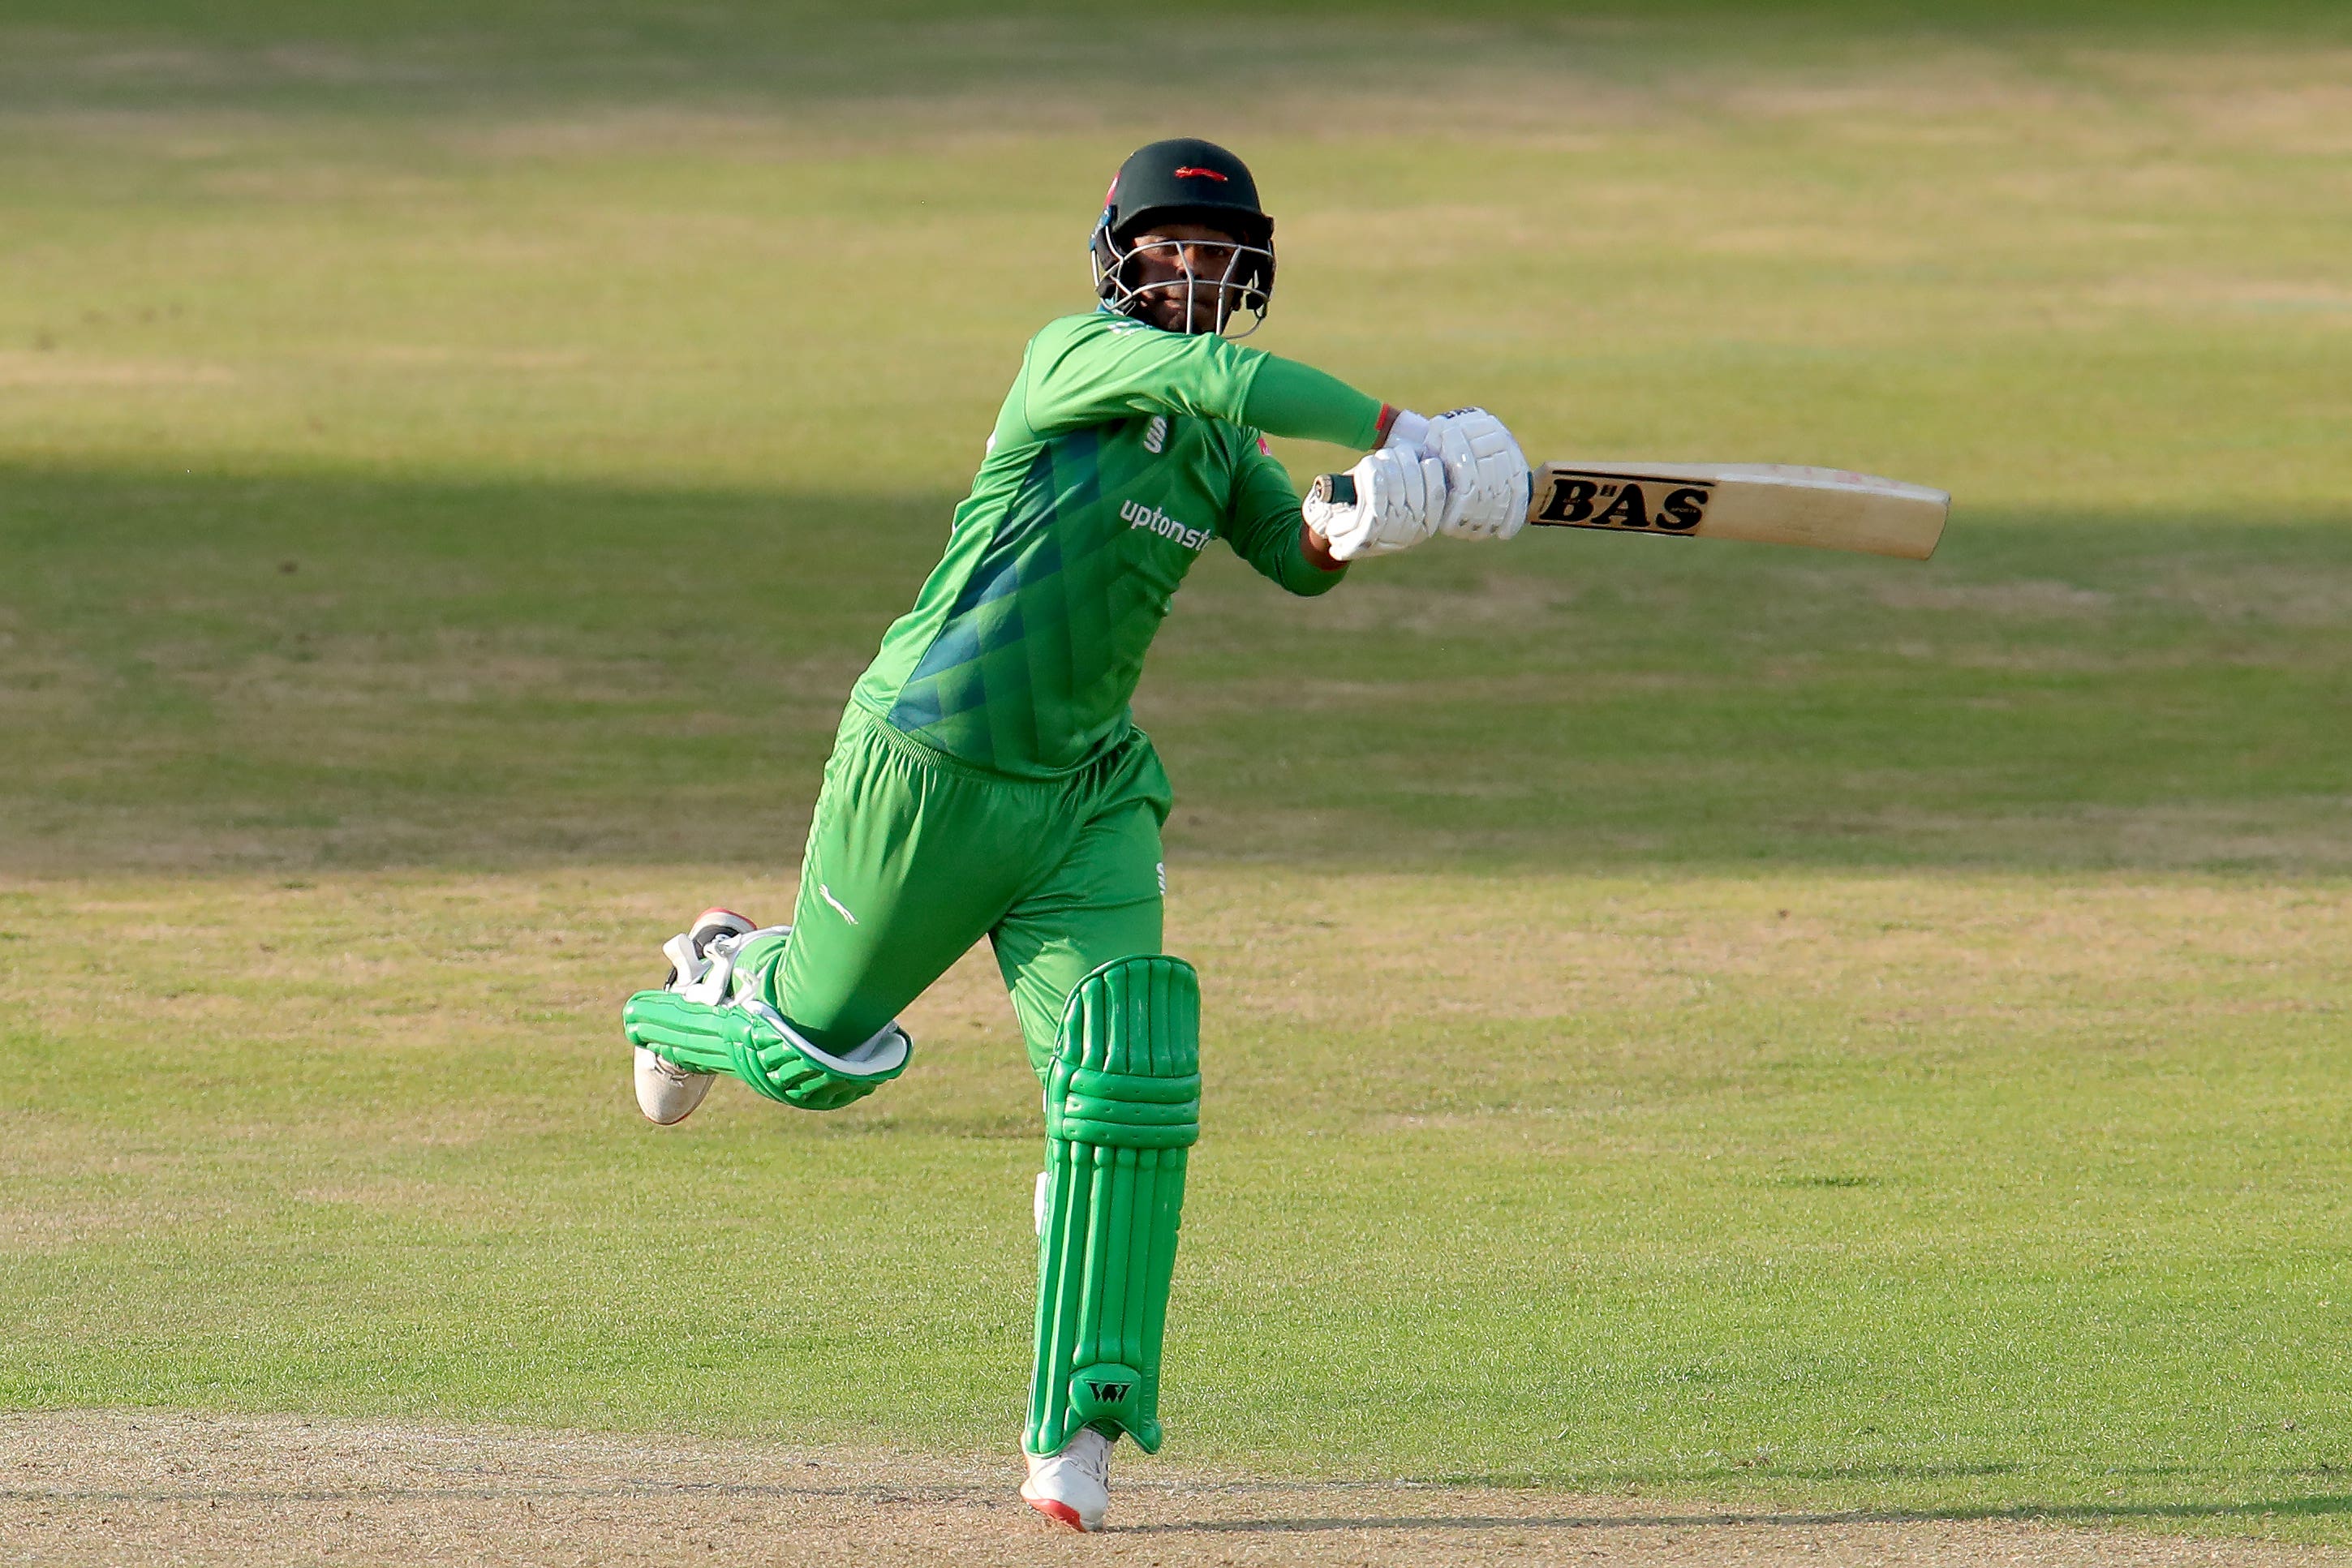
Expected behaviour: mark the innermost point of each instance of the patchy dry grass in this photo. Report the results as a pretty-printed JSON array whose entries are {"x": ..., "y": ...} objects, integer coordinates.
[{"x": 1723, "y": 1150}]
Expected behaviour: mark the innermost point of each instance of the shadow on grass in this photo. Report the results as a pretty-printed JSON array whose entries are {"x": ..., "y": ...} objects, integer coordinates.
[
  {"x": 445, "y": 56},
  {"x": 1271, "y": 1524},
  {"x": 2227, "y": 1513},
  {"x": 300, "y": 670}
]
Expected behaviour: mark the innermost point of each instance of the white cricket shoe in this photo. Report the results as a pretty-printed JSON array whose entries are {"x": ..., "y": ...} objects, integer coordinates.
[
  {"x": 1072, "y": 1487},
  {"x": 701, "y": 964},
  {"x": 666, "y": 1092}
]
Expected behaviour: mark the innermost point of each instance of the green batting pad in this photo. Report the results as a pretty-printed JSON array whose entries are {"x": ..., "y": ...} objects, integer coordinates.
[
  {"x": 753, "y": 1042},
  {"x": 1122, "y": 1106}
]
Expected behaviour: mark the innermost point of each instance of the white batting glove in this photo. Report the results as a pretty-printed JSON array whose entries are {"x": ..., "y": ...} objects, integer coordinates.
[
  {"x": 1486, "y": 478},
  {"x": 1407, "y": 429},
  {"x": 1399, "y": 499}
]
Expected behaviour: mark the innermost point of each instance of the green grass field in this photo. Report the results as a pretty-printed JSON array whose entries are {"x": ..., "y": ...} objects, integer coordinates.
[{"x": 1730, "y": 1022}]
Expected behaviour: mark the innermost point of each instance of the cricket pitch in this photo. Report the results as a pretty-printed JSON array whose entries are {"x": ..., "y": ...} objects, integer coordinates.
[{"x": 132, "y": 1487}]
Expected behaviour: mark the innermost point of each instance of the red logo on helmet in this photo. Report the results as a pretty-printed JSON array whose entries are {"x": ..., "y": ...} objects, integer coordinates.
[{"x": 1188, "y": 173}]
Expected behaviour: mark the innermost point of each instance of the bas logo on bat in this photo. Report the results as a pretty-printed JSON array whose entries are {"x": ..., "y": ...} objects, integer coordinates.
[{"x": 1615, "y": 501}]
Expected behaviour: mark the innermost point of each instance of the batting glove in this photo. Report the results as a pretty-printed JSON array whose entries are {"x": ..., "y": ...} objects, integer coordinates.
[
  {"x": 1408, "y": 430},
  {"x": 1487, "y": 478},
  {"x": 1399, "y": 500}
]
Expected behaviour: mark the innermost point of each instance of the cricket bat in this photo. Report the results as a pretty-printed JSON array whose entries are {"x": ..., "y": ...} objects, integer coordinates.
[{"x": 1826, "y": 508}]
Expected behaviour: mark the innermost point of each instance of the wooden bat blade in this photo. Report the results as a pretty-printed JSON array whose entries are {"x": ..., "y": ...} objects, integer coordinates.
[{"x": 1824, "y": 508}]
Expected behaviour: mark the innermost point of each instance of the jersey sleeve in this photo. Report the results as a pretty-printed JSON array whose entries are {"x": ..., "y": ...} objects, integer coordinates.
[
  {"x": 1298, "y": 401},
  {"x": 1088, "y": 370},
  {"x": 1264, "y": 525}
]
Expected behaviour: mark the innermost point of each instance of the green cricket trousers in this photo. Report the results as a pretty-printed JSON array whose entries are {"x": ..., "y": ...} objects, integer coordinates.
[
  {"x": 912, "y": 858},
  {"x": 914, "y": 855}
]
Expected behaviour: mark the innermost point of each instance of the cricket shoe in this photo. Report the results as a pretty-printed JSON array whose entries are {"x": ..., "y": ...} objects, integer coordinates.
[
  {"x": 701, "y": 966},
  {"x": 1072, "y": 1487}
]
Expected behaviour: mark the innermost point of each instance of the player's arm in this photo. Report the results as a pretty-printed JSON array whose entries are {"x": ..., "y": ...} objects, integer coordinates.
[
  {"x": 1264, "y": 526},
  {"x": 1084, "y": 372},
  {"x": 1460, "y": 471}
]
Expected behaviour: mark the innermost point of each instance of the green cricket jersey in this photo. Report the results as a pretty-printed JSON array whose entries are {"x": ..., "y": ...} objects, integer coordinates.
[{"x": 1120, "y": 453}]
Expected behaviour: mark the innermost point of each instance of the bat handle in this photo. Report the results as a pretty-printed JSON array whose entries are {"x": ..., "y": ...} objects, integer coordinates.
[{"x": 1337, "y": 489}]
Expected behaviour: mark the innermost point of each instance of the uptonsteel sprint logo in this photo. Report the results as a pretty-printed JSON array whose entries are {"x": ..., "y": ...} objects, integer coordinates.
[{"x": 1139, "y": 515}]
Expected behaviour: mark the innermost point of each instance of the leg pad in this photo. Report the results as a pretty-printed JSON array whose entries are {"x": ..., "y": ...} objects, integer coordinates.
[
  {"x": 1122, "y": 1106},
  {"x": 751, "y": 1041}
]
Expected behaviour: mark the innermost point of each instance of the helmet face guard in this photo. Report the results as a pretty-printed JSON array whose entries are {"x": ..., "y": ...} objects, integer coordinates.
[
  {"x": 1239, "y": 282},
  {"x": 1213, "y": 285}
]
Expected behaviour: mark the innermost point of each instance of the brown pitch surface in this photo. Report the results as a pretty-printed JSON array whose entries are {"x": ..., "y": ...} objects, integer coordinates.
[{"x": 107, "y": 1487}]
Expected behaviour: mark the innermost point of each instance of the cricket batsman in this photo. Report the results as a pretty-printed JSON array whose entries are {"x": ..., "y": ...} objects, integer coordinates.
[{"x": 987, "y": 780}]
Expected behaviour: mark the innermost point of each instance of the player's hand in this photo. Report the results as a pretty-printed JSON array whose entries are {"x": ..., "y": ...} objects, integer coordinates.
[
  {"x": 1408, "y": 429},
  {"x": 1400, "y": 501},
  {"x": 1486, "y": 478}
]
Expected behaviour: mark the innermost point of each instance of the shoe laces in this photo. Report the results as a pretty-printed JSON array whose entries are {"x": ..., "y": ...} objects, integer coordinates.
[{"x": 1090, "y": 1451}]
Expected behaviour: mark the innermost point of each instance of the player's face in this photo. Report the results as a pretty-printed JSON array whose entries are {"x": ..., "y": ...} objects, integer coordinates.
[{"x": 1184, "y": 277}]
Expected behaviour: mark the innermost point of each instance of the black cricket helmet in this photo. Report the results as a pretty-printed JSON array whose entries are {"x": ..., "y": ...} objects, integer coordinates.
[{"x": 1186, "y": 181}]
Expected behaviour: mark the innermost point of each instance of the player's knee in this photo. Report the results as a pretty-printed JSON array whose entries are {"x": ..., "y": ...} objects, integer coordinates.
[
  {"x": 826, "y": 1054},
  {"x": 799, "y": 1071},
  {"x": 753, "y": 1041},
  {"x": 1126, "y": 1069}
]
